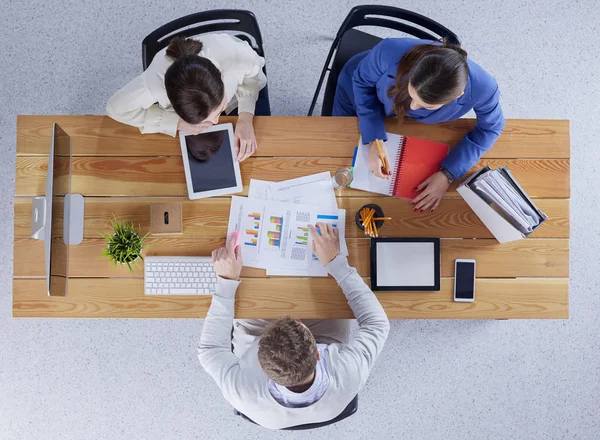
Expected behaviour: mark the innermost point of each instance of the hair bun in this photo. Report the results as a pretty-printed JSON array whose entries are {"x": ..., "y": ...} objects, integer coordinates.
[
  {"x": 454, "y": 47},
  {"x": 180, "y": 47}
]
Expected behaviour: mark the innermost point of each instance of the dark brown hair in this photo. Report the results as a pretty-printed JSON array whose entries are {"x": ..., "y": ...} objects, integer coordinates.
[
  {"x": 287, "y": 352},
  {"x": 193, "y": 83},
  {"x": 203, "y": 146},
  {"x": 438, "y": 73}
]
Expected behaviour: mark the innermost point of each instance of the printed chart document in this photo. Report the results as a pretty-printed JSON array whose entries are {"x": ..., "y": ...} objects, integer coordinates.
[
  {"x": 315, "y": 268},
  {"x": 274, "y": 234},
  {"x": 315, "y": 189}
]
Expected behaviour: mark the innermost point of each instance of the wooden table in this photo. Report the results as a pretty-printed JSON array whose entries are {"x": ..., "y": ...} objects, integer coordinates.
[{"x": 120, "y": 171}]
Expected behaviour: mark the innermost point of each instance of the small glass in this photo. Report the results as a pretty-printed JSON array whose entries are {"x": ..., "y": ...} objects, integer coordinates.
[{"x": 342, "y": 178}]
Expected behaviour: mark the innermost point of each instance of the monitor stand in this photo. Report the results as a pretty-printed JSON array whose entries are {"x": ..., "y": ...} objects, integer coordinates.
[
  {"x": 73, "y": 218},
  {"x": 73, "y": 231},
  {"x": 38, "y": 217}
]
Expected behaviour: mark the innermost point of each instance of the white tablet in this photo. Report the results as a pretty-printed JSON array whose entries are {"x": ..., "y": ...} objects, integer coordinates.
[
  {"x": 405, "y": 264},
  {"x": 209, "y": 162}
]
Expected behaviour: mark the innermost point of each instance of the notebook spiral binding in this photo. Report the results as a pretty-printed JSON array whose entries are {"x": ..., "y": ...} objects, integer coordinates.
[{"x": 397, "y": 170}]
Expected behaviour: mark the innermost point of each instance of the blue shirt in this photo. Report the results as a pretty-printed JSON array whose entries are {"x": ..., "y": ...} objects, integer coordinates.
[{"x": 376, "y": 73}]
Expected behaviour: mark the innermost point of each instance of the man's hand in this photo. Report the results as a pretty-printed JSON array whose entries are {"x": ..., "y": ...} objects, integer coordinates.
[
  {"x": 245, "y": 140},
  {"x": 432, "y": 190},
  {"x": 193, "y": 128},
  {"x": 327, "y": 245},
  {"x": 375, "y": 164},
  {"x": 227, "y": 261}
]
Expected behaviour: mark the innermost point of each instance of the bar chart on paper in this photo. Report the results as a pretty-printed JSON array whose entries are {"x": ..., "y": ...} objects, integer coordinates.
[
  {"x": 301, "y": 236},
  {"x": 275, "y": 231},
  {"x": 251, "y": 234},
  {"x": 277, "y": 234}
]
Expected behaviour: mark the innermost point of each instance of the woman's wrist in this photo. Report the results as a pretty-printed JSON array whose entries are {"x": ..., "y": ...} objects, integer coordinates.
[{"x": 245, "y": 117}]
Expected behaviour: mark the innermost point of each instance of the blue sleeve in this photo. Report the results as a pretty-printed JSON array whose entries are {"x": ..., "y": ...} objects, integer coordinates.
[
  {"x": 490, "y": 123},
  {"x": 369, "y": 109}
]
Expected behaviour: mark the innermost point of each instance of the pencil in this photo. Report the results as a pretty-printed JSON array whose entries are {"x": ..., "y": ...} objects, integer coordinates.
[
  {"x": 369, "y": 216},
  {"x": 385, "y": 170},
  {"x": 382, "y": 218}
]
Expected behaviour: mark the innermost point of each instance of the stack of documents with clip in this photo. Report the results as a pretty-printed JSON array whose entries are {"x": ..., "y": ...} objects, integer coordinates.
[
  {"x": 273, "y": 223},
  {"x": 501, "y": 204}
]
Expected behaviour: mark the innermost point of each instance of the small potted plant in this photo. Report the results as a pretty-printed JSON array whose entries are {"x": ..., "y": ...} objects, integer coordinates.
[{"x": 124, "y": 245}]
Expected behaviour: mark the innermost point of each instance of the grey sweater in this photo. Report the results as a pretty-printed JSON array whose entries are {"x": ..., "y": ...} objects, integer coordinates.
[{"x": 245, "y": 385}]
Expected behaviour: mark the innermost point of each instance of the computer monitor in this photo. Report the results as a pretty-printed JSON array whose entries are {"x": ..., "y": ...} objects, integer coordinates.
[{"x": 57, "y": 217}]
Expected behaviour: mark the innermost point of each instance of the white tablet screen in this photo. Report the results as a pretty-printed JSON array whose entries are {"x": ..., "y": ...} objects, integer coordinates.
[
  {"x": 211, "y": 161},
  {"x": 405, "y": 264}
]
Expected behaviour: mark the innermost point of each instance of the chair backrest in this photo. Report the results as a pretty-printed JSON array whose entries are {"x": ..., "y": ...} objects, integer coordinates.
[
  {"x": 389, "y": 16},
  {"x": 217, "y": 20},
  {"x": 350, "y": 409},
  {"x": 380, "y": 16}
]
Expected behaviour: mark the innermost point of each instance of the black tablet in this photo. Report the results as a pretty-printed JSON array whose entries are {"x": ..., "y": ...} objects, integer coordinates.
[
  {"x": 405, "y": 264},
  {"x": 209, "y": 162}
]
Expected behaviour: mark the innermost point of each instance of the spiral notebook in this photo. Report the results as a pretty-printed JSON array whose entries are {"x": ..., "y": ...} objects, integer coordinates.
[{"x": 413, "y": 160}]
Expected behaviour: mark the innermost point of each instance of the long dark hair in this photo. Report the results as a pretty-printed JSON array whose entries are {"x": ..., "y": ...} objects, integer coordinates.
[
  {"x": 438, "y": 73},
  {"x": 193, "y": 83}
]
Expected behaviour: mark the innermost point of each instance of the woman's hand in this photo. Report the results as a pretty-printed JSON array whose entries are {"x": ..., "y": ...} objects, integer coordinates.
[
  {"x": 245, "y": 140},
  {"x": 431, "y": 191},
  {"x": 193, "y": 128},
  {"x": 375, "y": 164}
]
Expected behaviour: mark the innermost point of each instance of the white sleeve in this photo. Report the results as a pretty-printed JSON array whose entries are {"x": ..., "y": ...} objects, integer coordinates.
[
  {"x": 136, "y": 105},
  {"x": 249, "y": 65}
]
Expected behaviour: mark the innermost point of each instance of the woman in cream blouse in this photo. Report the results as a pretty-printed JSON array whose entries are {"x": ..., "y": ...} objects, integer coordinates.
[{"x": 189, "y": 84}]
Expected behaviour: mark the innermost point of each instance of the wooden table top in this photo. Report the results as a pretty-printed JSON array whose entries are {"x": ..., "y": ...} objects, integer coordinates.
[{"x": 120, "y": 171}]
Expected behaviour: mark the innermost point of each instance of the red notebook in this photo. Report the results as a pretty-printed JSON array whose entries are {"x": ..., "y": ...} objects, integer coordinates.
[{"x": 413, "y": 160}]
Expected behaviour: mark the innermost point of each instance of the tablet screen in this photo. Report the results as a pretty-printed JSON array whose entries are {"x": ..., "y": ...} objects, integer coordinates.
[
  {"x": 211, "y": 161},
  {"x": 405, "y": 264}
]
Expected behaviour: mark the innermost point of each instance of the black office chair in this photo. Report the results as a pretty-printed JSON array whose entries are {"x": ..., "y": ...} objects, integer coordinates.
[
  {"x": 349, "y": 41},
  {"x": 350, "y": 409},
  {"x": 218, "y": 20}
]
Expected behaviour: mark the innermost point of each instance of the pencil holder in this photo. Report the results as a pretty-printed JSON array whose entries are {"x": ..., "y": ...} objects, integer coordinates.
[{"x": 378, "y": 213}]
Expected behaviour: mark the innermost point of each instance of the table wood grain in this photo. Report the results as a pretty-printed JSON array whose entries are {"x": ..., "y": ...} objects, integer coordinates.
[
  {"x": 121, "y": 172},
  {"x": 301, "y": 297}
]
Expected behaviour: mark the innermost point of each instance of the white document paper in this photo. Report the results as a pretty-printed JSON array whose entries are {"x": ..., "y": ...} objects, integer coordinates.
[
  {"x": 315, "y": 189},
  {"x": 315, "y": 268},
  {"x": 274, "y": 234}
]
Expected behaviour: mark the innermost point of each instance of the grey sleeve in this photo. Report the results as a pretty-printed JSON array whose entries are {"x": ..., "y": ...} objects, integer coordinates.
[
  {"x": 214, "y": 349},
  {"x": 374, "y": 325}
]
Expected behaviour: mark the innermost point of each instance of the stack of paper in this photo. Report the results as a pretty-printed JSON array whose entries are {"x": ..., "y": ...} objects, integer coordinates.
[
  {"x": 273, "y": 223},
  {"x": 499, "y": 190}
]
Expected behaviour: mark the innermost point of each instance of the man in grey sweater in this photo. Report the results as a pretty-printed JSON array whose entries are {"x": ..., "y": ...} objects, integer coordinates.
[{"x": 287, "y": 372}]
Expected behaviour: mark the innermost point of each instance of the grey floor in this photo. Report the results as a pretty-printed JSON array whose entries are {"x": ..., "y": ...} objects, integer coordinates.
[{"x": 139, "y": 379}]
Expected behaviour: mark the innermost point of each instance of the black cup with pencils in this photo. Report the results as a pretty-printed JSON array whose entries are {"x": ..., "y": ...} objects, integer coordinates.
[{"x": 370, "y": 218}]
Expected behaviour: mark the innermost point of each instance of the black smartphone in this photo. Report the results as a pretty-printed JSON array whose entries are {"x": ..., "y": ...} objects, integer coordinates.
[{"x": 464, "y": 280}]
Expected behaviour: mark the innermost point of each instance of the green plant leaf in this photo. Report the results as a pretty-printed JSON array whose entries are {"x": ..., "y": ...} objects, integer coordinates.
[{"x": 125, "y": 244}]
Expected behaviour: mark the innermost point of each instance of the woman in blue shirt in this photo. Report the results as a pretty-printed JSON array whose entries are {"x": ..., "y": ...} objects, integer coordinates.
[{"x": 429, "y": 82}]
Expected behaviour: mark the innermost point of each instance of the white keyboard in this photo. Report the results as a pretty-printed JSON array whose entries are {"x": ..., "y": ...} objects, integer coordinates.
[{"x": 179, "y": 276}]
